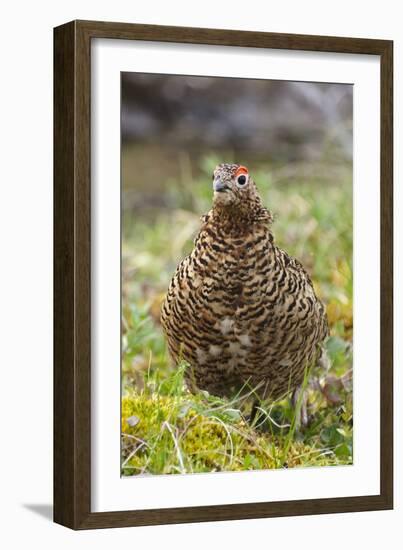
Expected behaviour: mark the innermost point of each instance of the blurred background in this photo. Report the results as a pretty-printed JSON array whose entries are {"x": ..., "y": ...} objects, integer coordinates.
[
  {"x": 171, "y": 124},
  {"x": 296, "y": 139}
]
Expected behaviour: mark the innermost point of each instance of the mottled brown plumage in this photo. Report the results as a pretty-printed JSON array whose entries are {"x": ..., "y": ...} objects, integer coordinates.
[{"x": 240, "y": 310}]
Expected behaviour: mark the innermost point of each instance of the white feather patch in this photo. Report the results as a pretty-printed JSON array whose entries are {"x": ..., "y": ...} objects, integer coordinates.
[
  {"x": 201, "y": 355},
  {"x": 244, "y": 339},
  {"x": 214, "y": 350},
  {"x": 226, "y": 325},
  {"x": 234, "y": 348}
]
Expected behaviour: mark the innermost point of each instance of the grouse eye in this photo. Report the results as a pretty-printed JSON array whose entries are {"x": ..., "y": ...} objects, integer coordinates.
[{"x": 241, "y": 180}]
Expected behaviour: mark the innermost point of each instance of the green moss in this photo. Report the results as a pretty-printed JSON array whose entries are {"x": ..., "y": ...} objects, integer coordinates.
[{"x": 160, "y": 438}]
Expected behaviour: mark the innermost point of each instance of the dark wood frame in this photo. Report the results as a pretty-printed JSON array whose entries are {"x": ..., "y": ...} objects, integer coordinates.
[{"x": 72, "y": 290}]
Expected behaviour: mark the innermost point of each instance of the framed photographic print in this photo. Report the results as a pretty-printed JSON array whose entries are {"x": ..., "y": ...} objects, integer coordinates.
[{"x": 222, "y": 275}]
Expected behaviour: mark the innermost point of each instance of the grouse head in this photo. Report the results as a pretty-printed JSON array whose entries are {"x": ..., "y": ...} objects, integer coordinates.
[
  {"x": 236, "y": 195},
  {"x": 232, "y": 184}
]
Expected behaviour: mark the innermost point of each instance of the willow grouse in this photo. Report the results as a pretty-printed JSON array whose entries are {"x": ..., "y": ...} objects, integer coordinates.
[{"x": 239, "y": 310}]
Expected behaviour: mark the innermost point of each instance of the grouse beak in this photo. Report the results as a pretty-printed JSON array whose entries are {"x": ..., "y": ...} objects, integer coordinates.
[{"x": 220, "y": 187}]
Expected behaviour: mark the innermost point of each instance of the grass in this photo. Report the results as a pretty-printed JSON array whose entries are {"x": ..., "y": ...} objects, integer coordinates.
[{"x": 166, "y": 429}]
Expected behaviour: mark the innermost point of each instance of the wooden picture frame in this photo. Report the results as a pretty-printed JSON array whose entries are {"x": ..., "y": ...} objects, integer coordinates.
[{"x": 72, "y": 274}]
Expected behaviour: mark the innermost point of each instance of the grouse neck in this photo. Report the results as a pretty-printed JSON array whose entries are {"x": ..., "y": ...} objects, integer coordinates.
[{"x": 235, "y": 218}]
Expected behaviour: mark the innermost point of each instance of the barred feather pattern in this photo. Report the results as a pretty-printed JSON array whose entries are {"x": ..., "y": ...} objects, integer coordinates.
[{"x": 240, "y": 310}]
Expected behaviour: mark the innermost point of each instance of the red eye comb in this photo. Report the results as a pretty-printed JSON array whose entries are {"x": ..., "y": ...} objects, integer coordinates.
[{"x": 241, "y": 170}]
